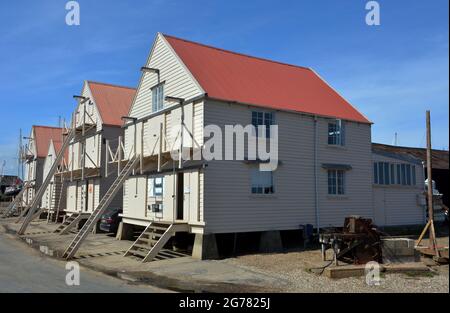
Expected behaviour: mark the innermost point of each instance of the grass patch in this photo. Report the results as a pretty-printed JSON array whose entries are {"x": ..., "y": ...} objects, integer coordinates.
[{"x": 418, "y": 274}]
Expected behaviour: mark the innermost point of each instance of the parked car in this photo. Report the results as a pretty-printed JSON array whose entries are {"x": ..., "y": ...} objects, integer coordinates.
[{"x": 110, "y": 220}]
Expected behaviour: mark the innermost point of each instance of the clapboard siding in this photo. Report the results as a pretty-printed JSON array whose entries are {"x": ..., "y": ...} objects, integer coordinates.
[
  {"x": 399, "y": 205},
  {"x": 90, "y": 107},
  {"x": 178, "y": 82},
  {"x": 48, "y": 194},
  {"x": 95, "y": 188},
  {"x": 358, "y": 181},
  {"x": 229, "y": 205}
]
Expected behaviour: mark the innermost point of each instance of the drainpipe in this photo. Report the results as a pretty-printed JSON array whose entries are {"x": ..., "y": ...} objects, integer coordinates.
[{"x": 316, "y": 191}]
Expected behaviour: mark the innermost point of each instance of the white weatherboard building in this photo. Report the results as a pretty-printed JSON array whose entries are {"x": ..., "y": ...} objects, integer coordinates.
[
  {"x": 53, "y": 196},
  {"x": 398, "y": 187},
  {"x": 35, "y": 154},
  {"x": 325, "y": 158},
  {"x": 97, "y": 119}
]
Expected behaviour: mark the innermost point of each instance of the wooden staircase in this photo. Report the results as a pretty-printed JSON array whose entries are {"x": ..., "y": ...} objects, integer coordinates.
[
  {"x": 153, "y": 239},
  {"x": 70, "y": 222},
  {"x": 53, "y": 215},
  {"x": 102, "y": 206}
]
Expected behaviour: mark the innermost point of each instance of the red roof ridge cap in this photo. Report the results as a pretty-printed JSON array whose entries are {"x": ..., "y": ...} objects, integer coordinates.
[{"x": 238, "y": 53}]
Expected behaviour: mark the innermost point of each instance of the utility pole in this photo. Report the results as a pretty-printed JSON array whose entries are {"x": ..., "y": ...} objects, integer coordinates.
[{"x": 432, "y": 233}]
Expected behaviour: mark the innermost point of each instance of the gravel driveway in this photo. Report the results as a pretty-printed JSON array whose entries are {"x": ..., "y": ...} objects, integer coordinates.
[{"x": 294, "y": 268}]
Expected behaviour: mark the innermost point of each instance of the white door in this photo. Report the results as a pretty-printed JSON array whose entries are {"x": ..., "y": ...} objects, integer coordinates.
[
  {"x": 137, "y": 196},
  {"x": 71, "y": 204},
  {"x": 91, "y": 195}
]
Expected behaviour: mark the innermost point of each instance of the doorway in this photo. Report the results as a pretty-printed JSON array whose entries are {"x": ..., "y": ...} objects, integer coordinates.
[
  {"x": 180, "y": 196},
  {"x": 84, "y": 197}
]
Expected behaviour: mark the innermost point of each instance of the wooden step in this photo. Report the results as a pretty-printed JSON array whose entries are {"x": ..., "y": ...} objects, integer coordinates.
[
  {"x": 161, "y": 228},
  {"x": 140, "y": 253},
  {"x": 140, "y": 246},
  {"x": 149, "y": 241}
]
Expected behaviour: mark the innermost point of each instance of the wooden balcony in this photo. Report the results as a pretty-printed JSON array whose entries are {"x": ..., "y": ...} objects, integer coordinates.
[{"x": 89, "y": 172}]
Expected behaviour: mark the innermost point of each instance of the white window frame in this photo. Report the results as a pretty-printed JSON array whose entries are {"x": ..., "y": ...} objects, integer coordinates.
[
  {"x": 400, "y": 174},
  {"x": 159, "y": 186},
  {"x": 336, "y": 183},
  {"x": 336, "y": 132},
  {"x": 261, "y": 184},
  {"x": 260, "y": 118},
  {"x": 157, "y": 97}
]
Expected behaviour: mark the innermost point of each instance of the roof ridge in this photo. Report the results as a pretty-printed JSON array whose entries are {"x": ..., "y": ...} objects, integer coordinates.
[
  {"x": 44, "y": 126},
  {"x": 109, "y": 84},
  {"x": 407, "y": 147},
  {"x": 238, "y": 53}
]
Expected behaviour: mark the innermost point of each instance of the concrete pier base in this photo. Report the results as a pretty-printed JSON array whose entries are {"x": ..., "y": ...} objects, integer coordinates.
[
  {"x": 205, "y": 247},
  {"x": 124, "y": 232},
  {"x": 399, "y": 250},
  {"x": 270, "y": 241}
]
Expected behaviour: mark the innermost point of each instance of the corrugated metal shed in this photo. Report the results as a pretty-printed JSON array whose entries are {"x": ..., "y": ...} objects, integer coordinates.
[{"x": 440, "y": 158}]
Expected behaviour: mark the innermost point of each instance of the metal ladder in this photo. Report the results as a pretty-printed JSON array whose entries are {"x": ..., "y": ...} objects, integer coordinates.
[
  {"x": 12, "y": 207},
  {"x": 37, "y": 198},
  {"x": 102, "y": 206}
]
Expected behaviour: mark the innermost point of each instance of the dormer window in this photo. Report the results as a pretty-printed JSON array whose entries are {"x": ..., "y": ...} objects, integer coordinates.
[{"x": 158, "y": 98}]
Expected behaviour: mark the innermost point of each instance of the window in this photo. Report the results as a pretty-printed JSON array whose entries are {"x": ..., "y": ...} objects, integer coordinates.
[
  {"x": 336, "y": 133},
  {"x": 157, "y": 98},
  {"x": 383, "y": 173},
  {"x": 375, "y": 173},
  {"x": 403, "y": 169},
  {"x": 336, "y": 182},
  {"x": 394, "y": 174},
  {"x": 380, "y": 173},
  {"x": 262, "y": 182},
  {"x": 386, "y": 173},
  {"x": 155, "y": 188},
  {"x": 408, "y": 174},
  {"x": 158, "y": 186},
  {"x": 263, "y": 118}
]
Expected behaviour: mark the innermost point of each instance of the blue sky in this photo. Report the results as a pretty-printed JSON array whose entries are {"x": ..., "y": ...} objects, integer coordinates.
[{"x": 392, "y": 72}]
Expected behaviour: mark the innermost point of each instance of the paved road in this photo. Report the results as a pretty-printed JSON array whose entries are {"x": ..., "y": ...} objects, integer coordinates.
[{"x": 23, "y": 269}]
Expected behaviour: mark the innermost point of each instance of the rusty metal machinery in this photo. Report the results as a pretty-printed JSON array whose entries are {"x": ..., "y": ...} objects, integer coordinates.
[{"x": 358, "y": 242}]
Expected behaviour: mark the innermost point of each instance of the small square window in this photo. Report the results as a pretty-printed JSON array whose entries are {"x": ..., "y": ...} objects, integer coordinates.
[{"x": 262, "y": 182}]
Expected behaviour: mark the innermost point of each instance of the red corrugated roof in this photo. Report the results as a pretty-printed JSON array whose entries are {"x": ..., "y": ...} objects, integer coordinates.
[
  {"x": 58, "y": 146},
  {"x": 112, "y": 101},
  {"x": 42, "y": 137},
  {"x": 232, "y": 76}
]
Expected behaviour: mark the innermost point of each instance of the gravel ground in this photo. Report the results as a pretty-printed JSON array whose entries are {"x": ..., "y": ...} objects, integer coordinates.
[{"x": 293, "y": 267}]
